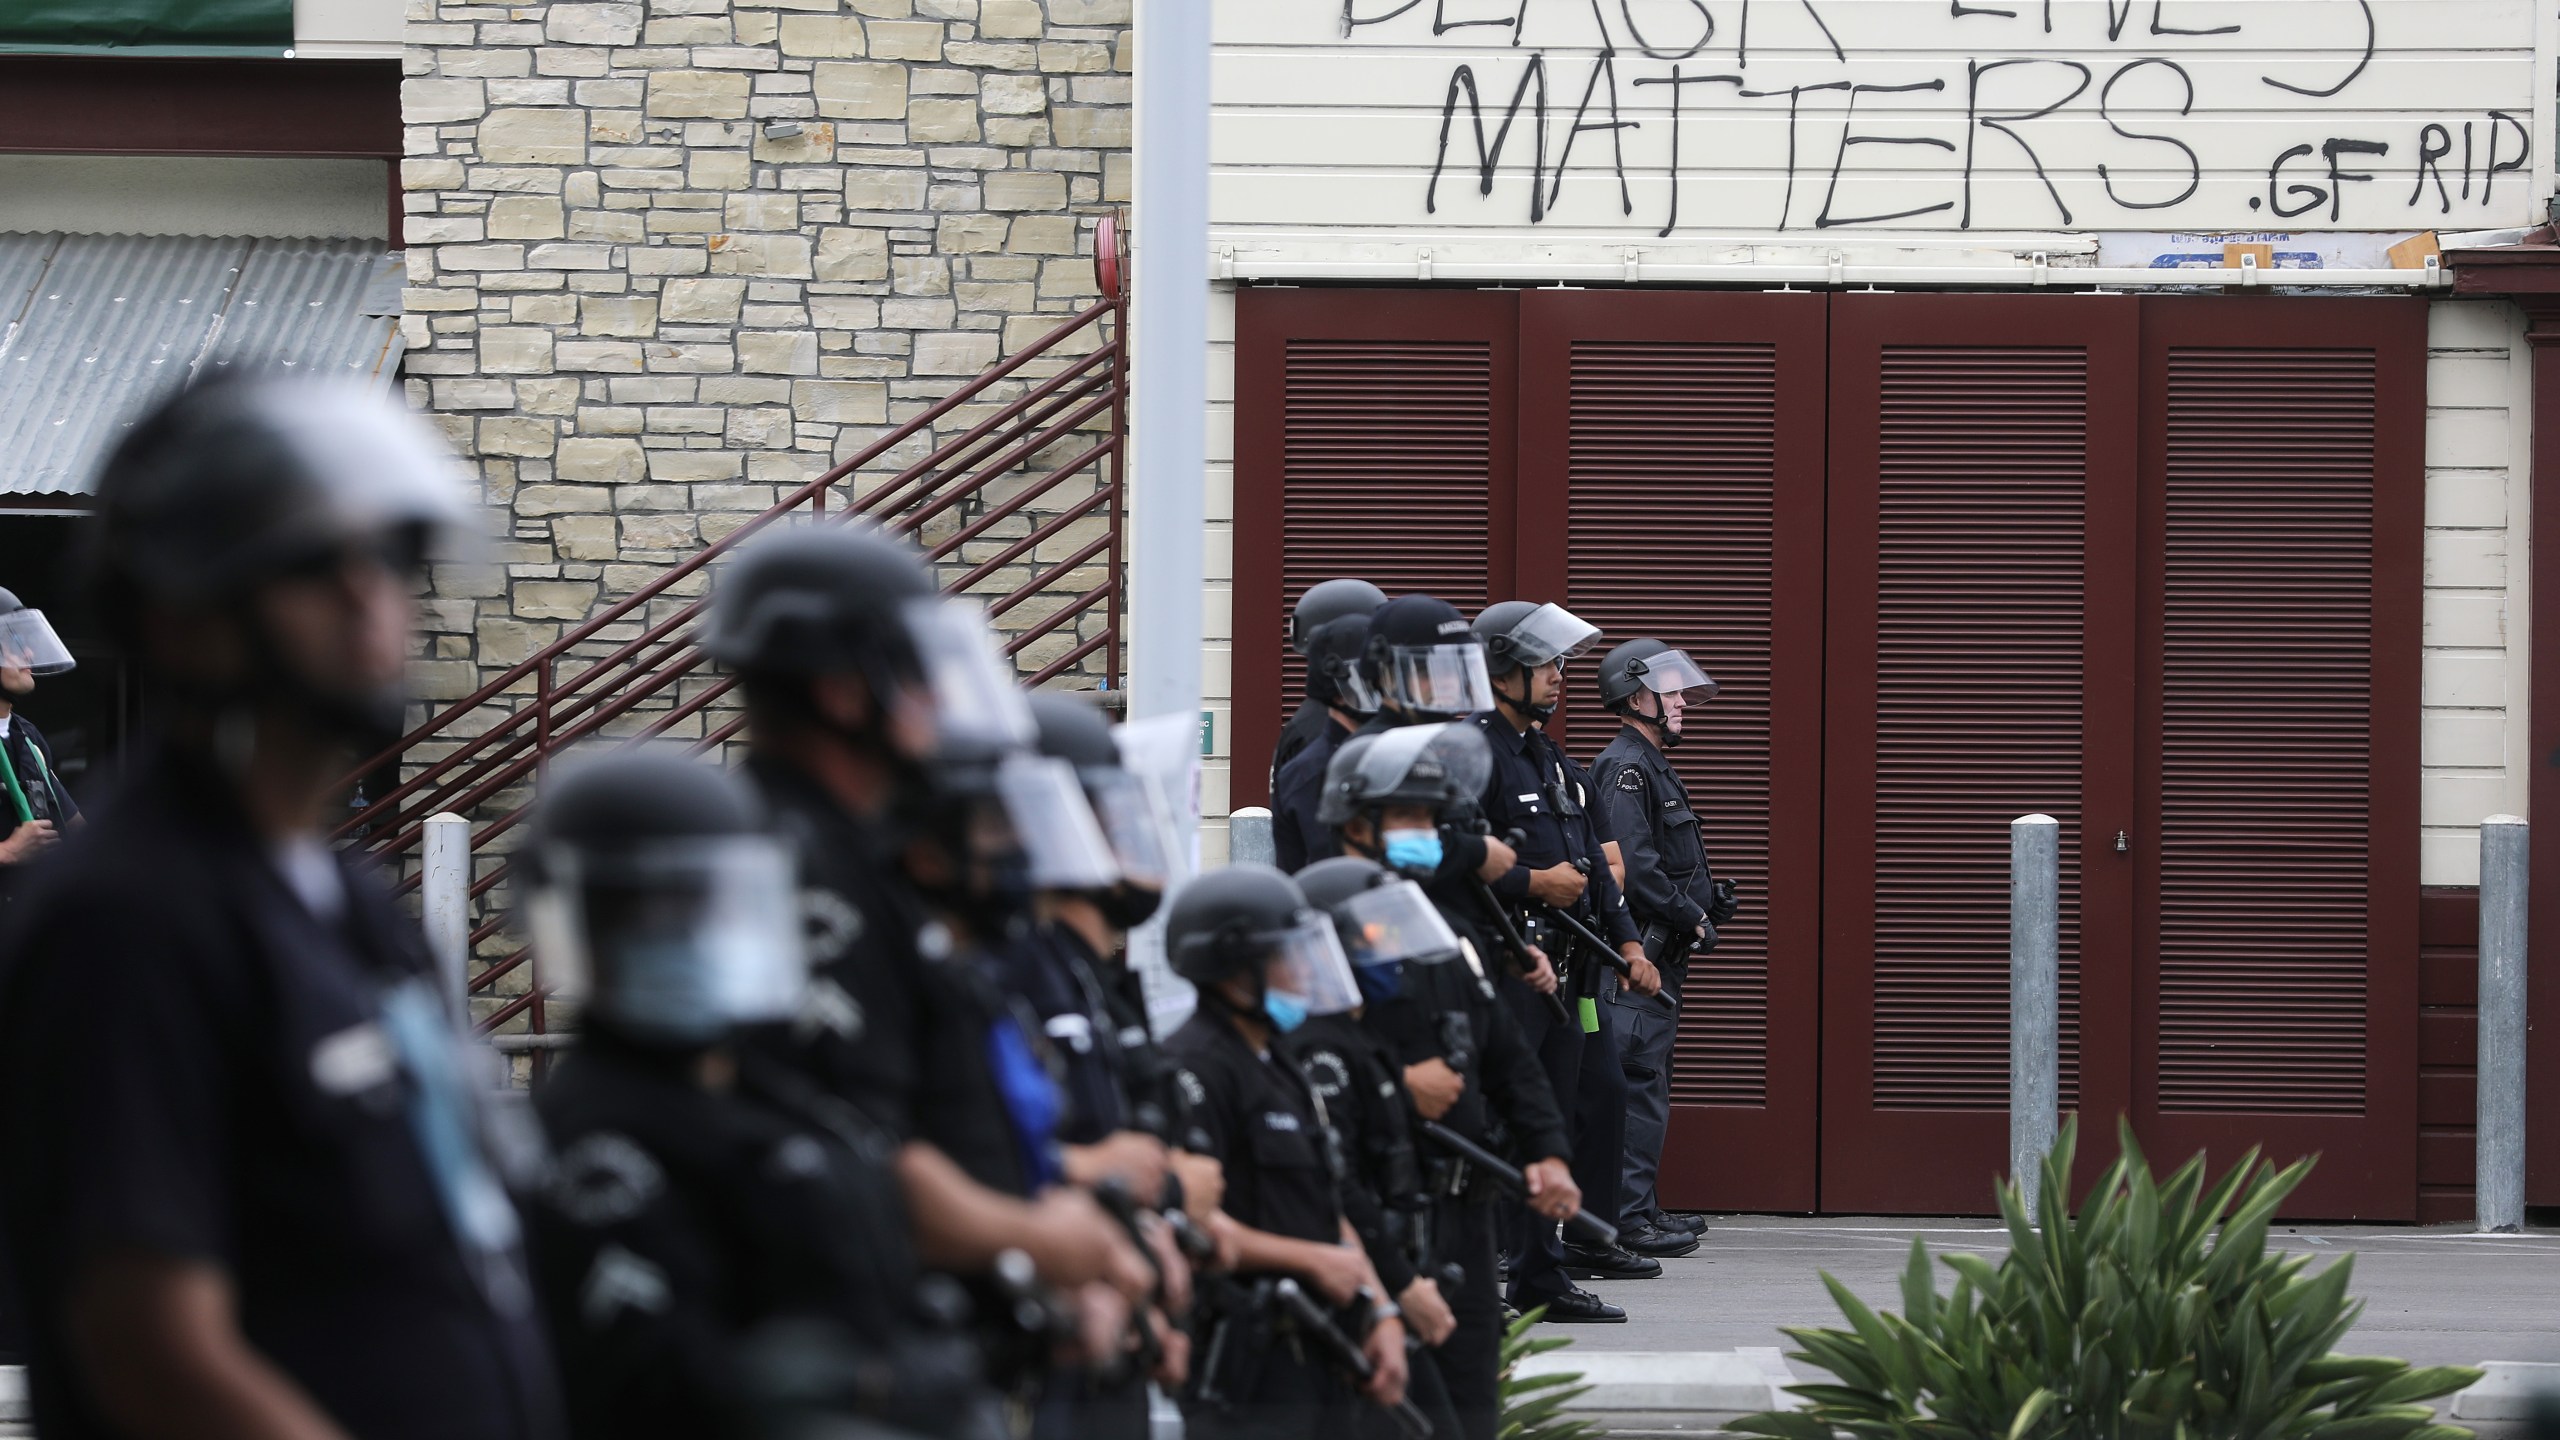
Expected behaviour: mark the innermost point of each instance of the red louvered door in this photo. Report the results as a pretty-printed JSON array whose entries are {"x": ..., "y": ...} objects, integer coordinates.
[
  {"x": 1671, "y": 485},
  {"x": 2275, "y": 982},
  {"x": 1980, "y": 649},
  {"x": 1375, "y": 437}
]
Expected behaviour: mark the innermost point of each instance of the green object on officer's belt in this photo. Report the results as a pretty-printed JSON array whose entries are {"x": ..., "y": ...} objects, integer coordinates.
[{"x": 1590, "y": 1015}]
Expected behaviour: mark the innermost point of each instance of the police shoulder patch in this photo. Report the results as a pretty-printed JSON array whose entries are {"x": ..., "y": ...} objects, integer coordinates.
[{"x": 1630, "y": 778}]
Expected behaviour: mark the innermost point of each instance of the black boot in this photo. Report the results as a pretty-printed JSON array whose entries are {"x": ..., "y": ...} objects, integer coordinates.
[
  {"x": 1614, "y": 1263},
  {"x": 1581, "y": 1307},
  {"x": 1661, "y": 1244}
]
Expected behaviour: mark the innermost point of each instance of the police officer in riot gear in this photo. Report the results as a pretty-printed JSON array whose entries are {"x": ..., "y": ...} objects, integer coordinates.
[
  {"x": 1264, "y": 962},
  {"x": 246, "y": 1189},
  {"x": 1675, "y": 898},
  {"x": 37, "y": 808},
  {"x": 1386, "y": 927},
  {"x": 1425, "y": 662},
  {"x": 1070, "y": 970},
  {"x": 869, "y": 698},
  {"x": 1540, "y": 794},
  {"x": 1466, "y": 1062},
  {"x": 699, "y": 1207},
  {"x": 1338, "y": 649},
  {"x": 1323, "y": 604}
]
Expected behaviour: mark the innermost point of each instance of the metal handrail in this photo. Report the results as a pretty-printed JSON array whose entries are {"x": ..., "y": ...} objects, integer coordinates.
[{"x": 585, "y": 681}]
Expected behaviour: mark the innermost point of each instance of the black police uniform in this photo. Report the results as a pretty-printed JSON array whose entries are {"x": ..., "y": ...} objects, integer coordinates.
[
  {"x": 1305, "y": 726},
  {"x": 31, "y": 780},
  {"x": 1257, "y": 1117},
  {"x": 1672, "y": 893},
  {"x": 1361, "y": 1082},
  {"x": 1052, "y": 970},
  {"x": 1451, "y": 1012},
  {"x": 1538, "y": 791},
  {"x": 1055, "y": 973},
  {"x": 200, "y": 1064},
  {"x": 899, "y": 1021},
  {"x": 679, "y": 1221},
  {"x": 1298, "y": 838}
]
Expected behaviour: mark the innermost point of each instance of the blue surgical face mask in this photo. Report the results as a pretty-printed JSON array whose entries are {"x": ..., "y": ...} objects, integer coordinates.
[
  {"x": 1287, "y": 1011},
  {"x": 1414, "y": 851},
  {"x": 1380, "y": 983}
]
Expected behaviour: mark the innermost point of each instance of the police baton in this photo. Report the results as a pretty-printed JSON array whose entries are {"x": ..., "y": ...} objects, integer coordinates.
[
  {"x": 1516, "y": 943},
  {"x": 1347, "y": 1356},
  {"x": 1581, "y": 1225},
  {"x": 1607, "y": 952}
]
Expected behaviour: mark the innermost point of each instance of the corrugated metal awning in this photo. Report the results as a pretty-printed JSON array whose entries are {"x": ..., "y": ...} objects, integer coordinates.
[{"x": 98, "y": 326}]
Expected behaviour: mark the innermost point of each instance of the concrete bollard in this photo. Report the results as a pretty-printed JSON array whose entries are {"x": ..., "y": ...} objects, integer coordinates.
[
  {"x": 444, "y": 894},
  {"x": 1249, "y": 837},
  {"x": 2500, "y": 1137},
  {"x": 2035, "y": 992}
]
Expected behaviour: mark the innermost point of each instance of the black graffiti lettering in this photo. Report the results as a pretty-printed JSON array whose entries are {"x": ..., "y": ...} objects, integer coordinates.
[
  {"x": 1489, "y": 157},
  {"x": 2466, "y": 159},
  {"x": 2275, "y": 173},
  {"x": 2117, "y": 16},
  {"x": 1849, "y": 137},
  {"x": 2160, "y": 27},
  {"x": 2195, "y": 167},
  {"x": 1795, "y": 104},
  {"x": 1441, "y": 24},
  {"x": 1616, "y": 128},
  {"x": 2338, "y": 178},
  {"x": 2524, "y": 151},
  {"x": 1742, "y": 37},
  {"x": 2434, "y": 143},
  {"x": 1706, "y": 30},
  {"x": 2372, "y": 38},
  {"x": 1958, "y": 10},
  {"x": 1351, "y": 21},
  {"x": 1677, "y": 82},
  {"x": 1975, "y": 122}
]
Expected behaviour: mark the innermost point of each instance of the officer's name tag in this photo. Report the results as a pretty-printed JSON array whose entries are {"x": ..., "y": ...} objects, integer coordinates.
[
  {"x": 1280, "y": 1120},
  {"x": 354, "y": 1060}
]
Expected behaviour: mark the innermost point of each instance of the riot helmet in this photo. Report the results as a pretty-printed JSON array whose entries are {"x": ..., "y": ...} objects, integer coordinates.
[
  {"x": 246, "y": 481},
  {"x": 1132, "y": 818},
  {"x": 1333, "y": 666},
  {"x": 1253, "y": 920},
  {"x": 1385, "y": 922},
  {"x": 837, "y": 599},
  {"x": 27, "y": 642},
  {"x": 1521, "y": 637},
  {"x": 1433, "y": 766},
  {"x": 1327, "y": 602},
  {"x": 1647, "y": 666},
  {"x": 654, "y": 897},
  {"x": 1425, "y": 660}
]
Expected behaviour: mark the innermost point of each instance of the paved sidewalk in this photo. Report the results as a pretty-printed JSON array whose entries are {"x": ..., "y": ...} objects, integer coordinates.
[{"x": 2434, "y": 1296}]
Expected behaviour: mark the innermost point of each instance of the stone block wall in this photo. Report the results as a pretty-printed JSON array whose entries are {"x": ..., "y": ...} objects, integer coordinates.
[{"x": 670, "y": 259}]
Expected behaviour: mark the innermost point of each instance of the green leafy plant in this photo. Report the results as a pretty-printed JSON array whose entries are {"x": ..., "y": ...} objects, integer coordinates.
[
  {"x": 1533, "y": 1405},
  {"x": 2147, "y": 1314}
]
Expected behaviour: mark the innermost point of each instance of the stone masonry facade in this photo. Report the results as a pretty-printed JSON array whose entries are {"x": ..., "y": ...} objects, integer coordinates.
[{"x": 670, "y": 259}]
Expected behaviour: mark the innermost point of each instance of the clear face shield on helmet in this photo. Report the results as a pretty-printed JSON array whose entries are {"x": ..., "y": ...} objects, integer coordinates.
[
  {"x": 1394, "y": 924},
  {"x": 28, "y": 643},
  {"x": 1044, "y": 808},
  {"x": 1135, "y": 824},
  {"x": 1426, "y": 765},
  {"x": 1437, "y": 679},
  {"x": 1550, "y": 635},
  {"x": 1306, "y": 970},
  {"x": 977, "y": 704},
  {"x": 1676, "y": 683},
  {"x": 1352, "y": 690},
  {"x": 675, "y": 942}
]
